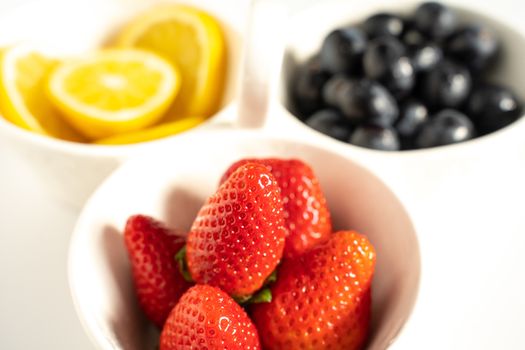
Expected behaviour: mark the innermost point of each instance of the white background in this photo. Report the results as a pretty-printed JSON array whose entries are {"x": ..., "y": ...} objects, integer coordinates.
[{"x": 473, "y": 282}]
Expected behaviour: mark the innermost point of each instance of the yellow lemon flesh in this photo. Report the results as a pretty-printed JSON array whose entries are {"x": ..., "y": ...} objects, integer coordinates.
[
  {"x": 113, "y": 91},
  {"x": 193, "y": 41},
  {"x": 154, "y": 132},
  {"x": 23, "y": 76}
]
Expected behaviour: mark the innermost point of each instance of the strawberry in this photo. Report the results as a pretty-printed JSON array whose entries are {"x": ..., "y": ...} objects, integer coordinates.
[
  {"x": 237, "y": 239},
  {"x": 321, "y": 300},
  {"x": 305, "y": 210},
  {"x": 158, "y": 282},
  {"x": 208, "y": 318}
]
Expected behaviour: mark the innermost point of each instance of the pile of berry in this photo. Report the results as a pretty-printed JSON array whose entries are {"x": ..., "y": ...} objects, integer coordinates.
[
  {"x": 395, "y": 83},
  {"x": 260, "y": 267}
]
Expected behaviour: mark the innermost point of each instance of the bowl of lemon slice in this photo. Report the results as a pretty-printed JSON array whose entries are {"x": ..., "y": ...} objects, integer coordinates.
[{"x": 99, "y": 81}]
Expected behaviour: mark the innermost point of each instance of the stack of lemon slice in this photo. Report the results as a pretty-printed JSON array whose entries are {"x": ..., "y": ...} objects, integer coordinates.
[
  {"x": 193, "y": 41},
  {"x": 165, "y": 74}
]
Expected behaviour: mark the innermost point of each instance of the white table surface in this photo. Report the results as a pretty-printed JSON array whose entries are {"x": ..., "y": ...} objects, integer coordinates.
[
  {"x": 471, "y": 227},
  {"x": 472, "y": 286},
  {"x": 36, "y": 310}
]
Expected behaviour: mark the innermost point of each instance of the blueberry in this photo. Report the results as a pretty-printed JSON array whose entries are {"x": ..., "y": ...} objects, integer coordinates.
[
  {"x": 425, "y": 57},
  {"x": 307, "y": 88},
  {"x": 382, "y": 49},
  {"x": 413, "y": 115},
  {"x": 447, "y": 85},
  {"x": 424, "y": 53},
  {"x": 330, "y": 122},
  {"x": 475, "y": 45},
  {"x": 342, "y": 51},
  {"x": 383, "y": 24},
  {"x": 385, "y": 61},
  {"x": 342, "y": 92},
  {"x": 435, "y": 20},
  {"x": 447, "y": 127},
  {"x": 375, "y": 137},
  {"x": 335, "y": 89},
  {"x": 361, "y": 100},
  {"x": 493, "y": 107}
]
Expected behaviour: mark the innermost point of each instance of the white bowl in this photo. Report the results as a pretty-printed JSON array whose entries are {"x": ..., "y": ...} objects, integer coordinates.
[
  {"x": 172, "y": 186},
  {"x": 307, "y": 28},
  {"x": 71, "y": 171}
]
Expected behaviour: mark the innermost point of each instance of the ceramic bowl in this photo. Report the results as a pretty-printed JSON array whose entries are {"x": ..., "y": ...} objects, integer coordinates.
[
  {"x": 71, "y": 171},
  {"x": 307, "y": 28},
  {"x": 171, "y": 186}
]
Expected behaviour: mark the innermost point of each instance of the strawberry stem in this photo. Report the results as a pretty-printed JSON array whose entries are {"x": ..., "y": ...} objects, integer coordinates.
[
  {"x": 180, "y": 257},
  {"x": 262, "y": 296}
]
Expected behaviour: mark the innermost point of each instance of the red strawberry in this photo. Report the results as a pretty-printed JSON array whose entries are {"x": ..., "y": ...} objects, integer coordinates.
[
  {"x": 321, "y": 300},
  {"x": 158, "y": 282},
  {"x": 208, "y": 318},
  {"x": 237, "y": 239},
  {"x": 306, "y": 212}
]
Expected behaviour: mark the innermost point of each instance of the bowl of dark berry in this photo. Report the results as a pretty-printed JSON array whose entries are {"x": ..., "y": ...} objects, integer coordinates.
[{"x": 412, "y": 76}]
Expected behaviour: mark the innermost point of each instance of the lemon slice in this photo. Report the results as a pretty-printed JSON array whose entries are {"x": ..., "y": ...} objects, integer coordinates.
[
  {"x": 113, "y": 91},
  {"x": 194, "y": 42},
  {"x": 23, "y": 75},
  {"x": 154, "y": 132}
]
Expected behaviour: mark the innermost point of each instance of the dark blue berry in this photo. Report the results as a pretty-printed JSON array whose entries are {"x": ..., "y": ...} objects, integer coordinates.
[
  {"x": 476, "y": 46},
  {"x": 342, "y": 51},
  {"x": 435, "y": 20},
  {"x": 447, "y": 85},
  {"x": 335, "y": 89},
  {"x": 425, "y": 57},
  {"x": 385, "y": 60},
  {"x": 447, "y": 127},
  {"x": 361, "y": 100},
  {"x": 424, "y": 53},
  {"x": 307, "y": 89},
  {"x": 383, "y": 24},
  {"x": 330, "y": 122},
  {"x": 412, "y": 116},
  {"x": 493, "y": 107},
  {"x": 375, "y": 137}
]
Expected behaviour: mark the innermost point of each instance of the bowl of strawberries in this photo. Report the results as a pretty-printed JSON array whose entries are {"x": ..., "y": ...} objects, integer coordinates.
[{"x": 260, "y": 242}]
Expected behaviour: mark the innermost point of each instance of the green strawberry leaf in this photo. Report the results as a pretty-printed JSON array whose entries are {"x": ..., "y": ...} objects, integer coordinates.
[
  {"x": 262, "y": 296},
  {"x": 180, "y": 257}
]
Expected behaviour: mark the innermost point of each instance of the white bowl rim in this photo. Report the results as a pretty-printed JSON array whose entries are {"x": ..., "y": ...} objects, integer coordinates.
[{"x": 98, "y": 150}]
